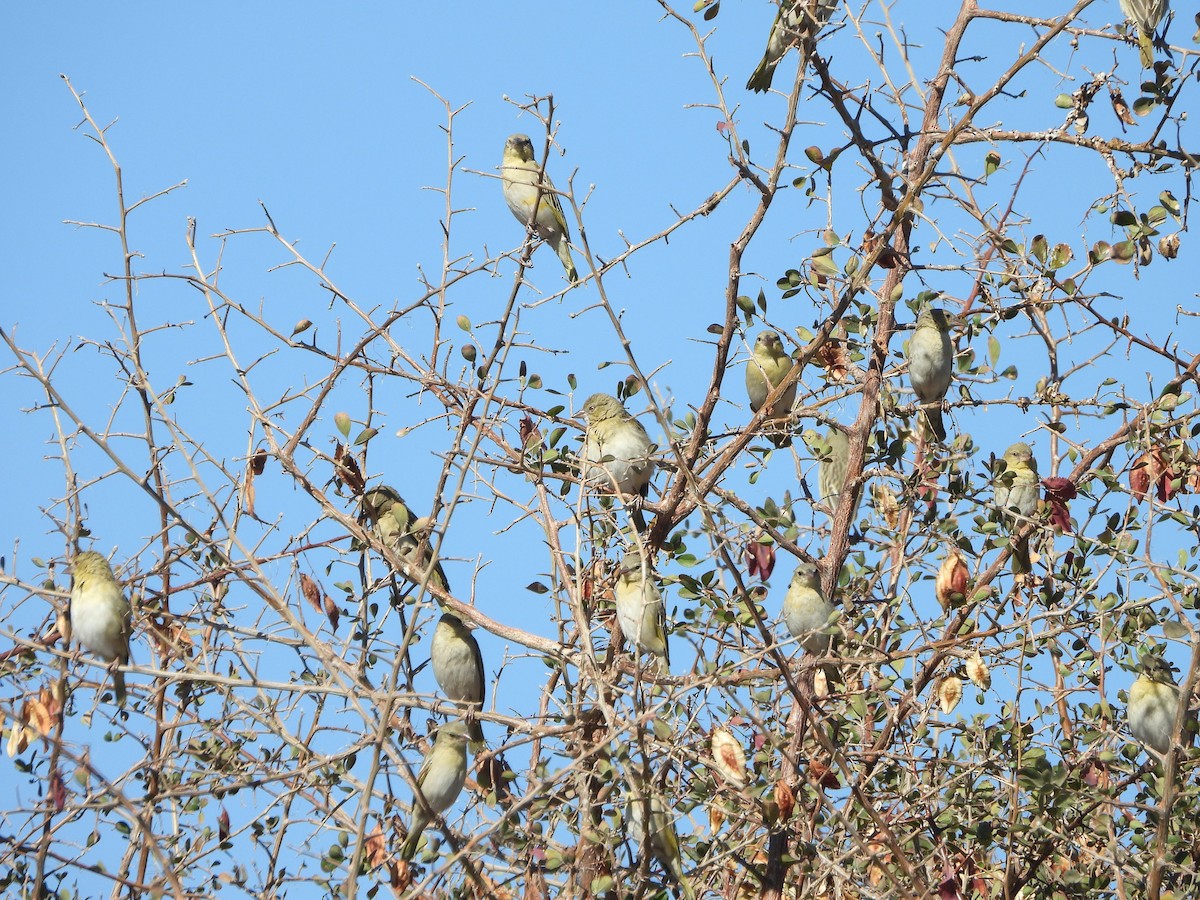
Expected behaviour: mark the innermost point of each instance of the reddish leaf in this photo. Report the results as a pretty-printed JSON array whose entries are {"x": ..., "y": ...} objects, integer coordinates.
[
  {"x": 58, "y": 790},
  {"x": 1152, "y": 468},
  {"x": 821, "y": 774},
  {"x": 1059, "y": 491},
  {"x": 950, "y": 888},
  {"x": 760, "y": 560}
]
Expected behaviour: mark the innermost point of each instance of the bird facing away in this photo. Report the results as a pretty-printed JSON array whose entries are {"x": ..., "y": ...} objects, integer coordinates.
[
  {"x": 530, "y": 195},
  {"x": 1017, "y": 488},
  {"x": 397, "y": 526},
  {"x": 640, "y": 608},
  {"x": 440, "y": 780},
  {"x": 658, "y": 831},
  {"x": 796, "y": 25},
  {"x": 1153, "y": 704},
  {"x": 100, "y": 614},
  {"x": 617, "y": 449},
  {"x": 458, "y": 668},
  {"x": 930, "y": 357},
  {"x": 832, "y": 453},
  {"x": 766, "y": 370},
  {"x": 1146, "y": 15},
  {"x": 806, "y": 611}
]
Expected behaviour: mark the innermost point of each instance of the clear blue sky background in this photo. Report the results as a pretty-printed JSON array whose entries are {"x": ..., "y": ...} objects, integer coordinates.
[{"x": 311, "y": 110}]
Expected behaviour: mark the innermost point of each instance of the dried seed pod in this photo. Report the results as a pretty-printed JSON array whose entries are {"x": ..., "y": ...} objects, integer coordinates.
[
  {"x": 978, "y": 672},
  {"x": 949, "y": 693},
  {"x": 886, "y": 504},
  {"x": 951, "y": 584},
  {"x": 729, "y": 757}
]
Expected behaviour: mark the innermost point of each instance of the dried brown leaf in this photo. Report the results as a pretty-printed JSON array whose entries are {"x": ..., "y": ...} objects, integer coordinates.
[
  {"x": 785, "y": 799},
  {"x": 886, "y": 503},
  {"x": 311, "y": 592}
]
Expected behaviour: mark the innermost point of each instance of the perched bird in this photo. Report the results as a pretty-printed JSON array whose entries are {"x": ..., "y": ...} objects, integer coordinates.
[
  {"x": 397, "y": 526},
  {"x": 659, "y": 833},
  {"x": 1153, "y": 704},
  {"x": 530, "y": 195},
  {"x": 929, "y": 365},
  {"x": 100, "y": 614},
  {"x": 640, "y": 608},
  {"x": 806, "y": 611},
  {"x": 832, "y": 453},
  {"x": 764, "y": 372},
  {"x": 796, "y": 25},
  {"x": 617, "y": 448},
  {"x": 1017, "y": 489},
  {"x": 1146, "y": 15},
  {"x": 458, "y": 667},
  {"x": 440, "y": 780}
]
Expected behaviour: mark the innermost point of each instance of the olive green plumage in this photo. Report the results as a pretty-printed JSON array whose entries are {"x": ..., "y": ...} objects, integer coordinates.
[
  {"x": 100, "y": 615},
  {"x": 530, "y": 195}
]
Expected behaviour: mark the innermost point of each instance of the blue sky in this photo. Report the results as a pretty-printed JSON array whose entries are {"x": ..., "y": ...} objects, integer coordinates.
[{"x": 311, "y": 110}]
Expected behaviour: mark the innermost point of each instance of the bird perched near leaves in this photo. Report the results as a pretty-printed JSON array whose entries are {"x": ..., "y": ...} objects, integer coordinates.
[
  {"x": 1146, "y": 15},
  {"x": 806, "y": 611},
  {"x": 530, "y": 195},
  {"x": 653, "y": 827},
  {"x": 765, "y": 371},
  {"x": 440, "y": 780},
  {"x": 1017, "y": 489},
  {"x": 397, "y": 526},
  {"x": 796, "y": 25},
  {"x": 640, "y": 608},
  {"x": 832, "y": 453},
  {"x": 930, "y": 357},
  {"x": 458, "y": 668},
  {"x": 100, "y": 614},
  {"x": 1153, "y": 704},
  {"x": 617, "y": 451}
]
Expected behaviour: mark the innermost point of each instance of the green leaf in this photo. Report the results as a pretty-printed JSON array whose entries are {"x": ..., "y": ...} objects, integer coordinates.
[
  {"x": 1143, "y": 106},
  {"x": 1040, "y": 248},
  {"x": 1175, "y": 630},
  {"x": 1123, "y": 252},
  {"x": 991, "y": 163},
  {"x": 1060, "y": 256}
]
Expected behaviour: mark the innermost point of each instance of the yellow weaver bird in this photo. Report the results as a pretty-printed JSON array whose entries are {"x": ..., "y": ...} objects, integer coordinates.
[
  {"x": 530, "y": 195},
  {"x": 100, "y": 614},
  {"x": 1153, "y": 704}
]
